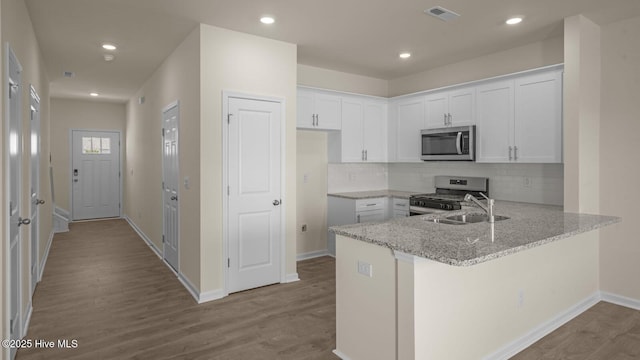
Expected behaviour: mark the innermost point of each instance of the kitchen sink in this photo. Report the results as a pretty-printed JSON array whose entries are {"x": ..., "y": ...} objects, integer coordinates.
[
  {"x": 467, "y": 219},
  {"x": 475, "y": 218}
]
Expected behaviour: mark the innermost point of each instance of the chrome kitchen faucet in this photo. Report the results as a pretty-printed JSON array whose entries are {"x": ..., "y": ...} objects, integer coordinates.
[{"x": 488, "y": 208}]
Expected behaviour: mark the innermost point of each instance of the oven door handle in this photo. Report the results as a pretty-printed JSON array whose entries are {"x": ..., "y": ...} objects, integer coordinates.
[{"x": 459, "y": 143}]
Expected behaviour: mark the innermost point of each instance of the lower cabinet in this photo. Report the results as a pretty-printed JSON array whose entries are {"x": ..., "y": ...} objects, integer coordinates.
[
  {"x": 342, "y": 211},
  {"x": 399, "y": 208}
]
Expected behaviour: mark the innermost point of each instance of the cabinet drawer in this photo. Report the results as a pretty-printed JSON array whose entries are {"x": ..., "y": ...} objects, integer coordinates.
[
  {"x": 370, "y": 204},
  {"x": 369, "y": 216},
  {"x": 400, "y": 213},
  {"x": 401, "y": 204}
]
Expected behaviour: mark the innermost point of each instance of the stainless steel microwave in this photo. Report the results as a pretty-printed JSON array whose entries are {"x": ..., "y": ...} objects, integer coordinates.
[{"x": 449, "y": 143}]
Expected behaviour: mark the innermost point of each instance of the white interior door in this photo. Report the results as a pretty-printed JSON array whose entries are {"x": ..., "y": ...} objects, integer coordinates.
[
  {"x": 15, "y": 221},
  {"x": 254, "y": 203},
  {"x": 95, "y": 174},
  {"x": 35, "y": 185},
  {"x": 170, "y": 177}
]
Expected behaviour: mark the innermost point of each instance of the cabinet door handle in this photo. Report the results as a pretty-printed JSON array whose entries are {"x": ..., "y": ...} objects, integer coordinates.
[
  {"x": 510, "y": 150},
  {"x": 445, "y": 119},
  {"x": 449, "y": 119},
  {"x": 366, "y": 155},
  {"x": 362, "y": 155},
  {"x": 515, "y": 153},
  {"x": 358, "y": 218},
  {"x": 317, "y": 120}
]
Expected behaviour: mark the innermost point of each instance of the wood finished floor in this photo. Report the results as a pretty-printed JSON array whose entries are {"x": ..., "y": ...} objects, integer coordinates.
[{"x": 105, "y": 288}]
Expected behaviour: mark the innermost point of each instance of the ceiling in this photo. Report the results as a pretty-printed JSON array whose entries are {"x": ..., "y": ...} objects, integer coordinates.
[{"x": 356, "y": 36}]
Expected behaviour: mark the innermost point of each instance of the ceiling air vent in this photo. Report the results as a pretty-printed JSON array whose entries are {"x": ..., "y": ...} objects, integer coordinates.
[
  {"x": 68, "y": 74},
  {"x": 442, "y": 13}
]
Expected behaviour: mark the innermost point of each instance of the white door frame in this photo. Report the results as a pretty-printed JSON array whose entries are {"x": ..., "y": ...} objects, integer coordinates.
[
  {"x": 165, "y": 109},
  {"x": 70, "y": 170},
  {"x": 225, "y": 181},
  {"x": 6, "y": 351},
  {"x": 35, "y": 227}
]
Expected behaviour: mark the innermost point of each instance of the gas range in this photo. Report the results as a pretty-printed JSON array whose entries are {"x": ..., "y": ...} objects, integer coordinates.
[{"x": 450, "y": 192}]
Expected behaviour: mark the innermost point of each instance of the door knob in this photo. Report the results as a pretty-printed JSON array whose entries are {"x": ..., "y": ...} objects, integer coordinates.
[
  {"x": 22, "y": 221},
  {"x": 39, "y": 202},
  {"x": 276, "y": 202},
  {"x": 174, "y": 197}
]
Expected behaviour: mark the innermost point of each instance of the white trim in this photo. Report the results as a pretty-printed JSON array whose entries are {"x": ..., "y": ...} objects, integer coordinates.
[
  {"x": 312, "y": 255},
  {"x": 293, "y": 277},
  {"x": 27, "y": 319},
  {"x": 144, "y": 237},
  {"x": 347, "y": 93},
  {"x": 201, "y": 297},
  {"x": 340, "y": 355},
  {"x": 120, "y": 168},
  {"x": 175, "y": 104},
  {"x": 544, "y": 329},
  {"x": 43, "y": 262},
  {"x": 620, "y": 300},
  {"x": 226, "y": 94},
  {"x": 409, "y": 258}
]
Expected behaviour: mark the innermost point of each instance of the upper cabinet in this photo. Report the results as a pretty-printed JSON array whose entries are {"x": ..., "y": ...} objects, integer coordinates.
[
  {"x": 409, "y": 120},
  {"x": 450, "y": 108},
  {"x": 520, "y": 119},
  {"x": 364, "y": 132},
  {"x": 318, "y": 110}
]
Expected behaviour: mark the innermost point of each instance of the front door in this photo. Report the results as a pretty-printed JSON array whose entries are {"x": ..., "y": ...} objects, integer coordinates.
[
  {"x": 35, "y": 185},
  {"x": 170, "y": 176},
  {"x": 15, "y": 221},
  {"x": 95, "y": 174},
  {"x": 254, "y": 198}
]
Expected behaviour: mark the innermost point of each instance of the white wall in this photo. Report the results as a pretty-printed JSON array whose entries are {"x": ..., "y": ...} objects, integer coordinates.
[
  {"x": 341, "y": 81},
  {"x": 357, "y": 177},
  {"x": 619, "y": 139},
  {"x": 531, "y": 56},
  {"x": 311, "y": 199},
  {"x": 67, "y": 114},
  {"x": 249, "y": 64}
]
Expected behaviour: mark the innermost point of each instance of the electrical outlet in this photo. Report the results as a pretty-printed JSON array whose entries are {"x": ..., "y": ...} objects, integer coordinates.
[
  {"x": 305, "y": 178},
  {"x": 304, "y": 227},
  {"x": 365, "y": 268},
  {"x": 352, "y": 177},
  {"x": 526, "y": 182}
]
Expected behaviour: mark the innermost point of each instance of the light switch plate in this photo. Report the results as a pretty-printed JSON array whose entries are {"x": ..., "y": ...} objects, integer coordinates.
[{"x": 365, "y": 268}]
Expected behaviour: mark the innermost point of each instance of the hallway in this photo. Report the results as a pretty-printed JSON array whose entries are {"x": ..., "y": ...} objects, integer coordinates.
[{"x": 104, "y": 287}]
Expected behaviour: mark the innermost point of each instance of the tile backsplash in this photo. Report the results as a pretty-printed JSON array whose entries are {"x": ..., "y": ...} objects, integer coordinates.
[{"x": 533, "y": 183}]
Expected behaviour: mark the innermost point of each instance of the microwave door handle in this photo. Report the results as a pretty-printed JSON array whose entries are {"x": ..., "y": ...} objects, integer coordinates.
[{"x": 459, "y": 143}]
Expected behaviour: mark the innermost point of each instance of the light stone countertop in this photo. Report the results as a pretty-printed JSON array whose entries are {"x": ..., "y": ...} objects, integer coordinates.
[
  {"x": 357, "y": 195},
  {"x": 530, "y": 225}
]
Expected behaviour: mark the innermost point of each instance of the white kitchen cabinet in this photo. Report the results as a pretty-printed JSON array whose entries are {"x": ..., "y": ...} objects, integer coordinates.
[
  {"x": 538, "y": 118},
  {"x": 520, "y": 119},
  {"x": 409, "y": 121},
  {"x": 343, "y": 211},
  {"x": 364, "y": 132},
  {"x": 399, "y": 208},
  {"x": 318, "y": 110},
  {"x": 450, "y": 108},
  {"x": 494, "y": 130}
]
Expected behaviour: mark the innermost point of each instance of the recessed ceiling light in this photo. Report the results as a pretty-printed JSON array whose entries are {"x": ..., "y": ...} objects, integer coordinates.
[
  {"x": 110, "y": 47},
  {"x": 405, "y": 55},
  {"x": 514, "y": 20},
  {"x": 94, "y": 94},
  {"x": 267, "y": 20}
]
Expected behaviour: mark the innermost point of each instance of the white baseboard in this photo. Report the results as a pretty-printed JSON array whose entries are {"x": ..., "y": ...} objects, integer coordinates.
[
  {"x": 43, "y": 262},
  {"x": 144, "y": 237},
  {"x": 544, "y": 329},
  {"x": 27, "y": 320},
  {"x": 201, "y": 297},
  {"x": 312, "y": 255},
  {"x": 293, "y": 277},
  {"x": 341, "y": 355},
  {"x": 620, "y": 300}
]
